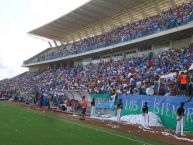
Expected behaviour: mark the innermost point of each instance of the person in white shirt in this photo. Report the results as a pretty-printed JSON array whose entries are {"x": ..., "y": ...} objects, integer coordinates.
[{"x": 92, "y": 107}]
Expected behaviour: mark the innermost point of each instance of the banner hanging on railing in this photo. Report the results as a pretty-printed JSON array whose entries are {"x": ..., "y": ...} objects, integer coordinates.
[
  {"x": 103, "y": 101},
  {"x": 164, "y": 106}
]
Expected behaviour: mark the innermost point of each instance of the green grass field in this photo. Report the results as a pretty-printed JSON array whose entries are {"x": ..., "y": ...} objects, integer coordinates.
[{"x": 19, "y": 126}]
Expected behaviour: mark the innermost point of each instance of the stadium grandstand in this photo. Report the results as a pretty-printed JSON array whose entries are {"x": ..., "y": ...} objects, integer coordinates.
[
  {"x": 104, "y": 30},
  {"x": 111, "y": 46},
  {"x": 117, "y": 62}
]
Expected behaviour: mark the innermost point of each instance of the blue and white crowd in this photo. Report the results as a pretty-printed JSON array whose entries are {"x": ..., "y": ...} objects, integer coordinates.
[
  {"x": 165, "y": 20},
  {"x": 132, "y": 76}
]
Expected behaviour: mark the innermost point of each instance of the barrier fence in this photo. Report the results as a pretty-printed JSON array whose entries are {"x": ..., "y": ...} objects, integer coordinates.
[{"x": 164, "y": 106}]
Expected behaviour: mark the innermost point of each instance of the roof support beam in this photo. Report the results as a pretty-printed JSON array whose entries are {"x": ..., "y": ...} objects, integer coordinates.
[
  {"x": 97, "y": 12},
  {"x": 144, "y": 15},
  {"x": 50, "y": 44},
  {"x": 65, "y": 38},
  {"x": 97, "y": 16},
  {"x": 86, "y": 33},
  {"x": 102, "y": 28},
  {"x": 89, "y": 31},
  {"x": 62, "y": 44},
  {"x": 173, "y": 4},
  {"x": 72, "y": 36},
  {"x": 58, "y": 28},
  {"x": 55, "y": 43},
  {"x": 116, "y": 4},
  {"x": 86, "y": 13},
  {"x": 120, "y": 21},
  {"x": 130, "y": 17},
  {"x": 94, "y": 31},
  {"x": 77, "y": 15},
  {"x": 79, "y": 35},
  {"x": 44, "y": 31},
  {"x": 69, "y": 22},
  {"x": 156, "y": 6}
]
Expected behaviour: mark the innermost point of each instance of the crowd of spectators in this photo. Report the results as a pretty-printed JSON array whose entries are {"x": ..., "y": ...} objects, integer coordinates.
[
  {"x": 134, "y": 75},
  {"x": 165, "y": 20}
]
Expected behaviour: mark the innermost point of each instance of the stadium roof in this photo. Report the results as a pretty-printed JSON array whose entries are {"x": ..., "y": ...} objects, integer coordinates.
[{"x": 98, "y": 16}]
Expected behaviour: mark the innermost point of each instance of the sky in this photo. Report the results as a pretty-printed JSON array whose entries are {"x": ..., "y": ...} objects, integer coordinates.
[{"x": 17, "y": 18}]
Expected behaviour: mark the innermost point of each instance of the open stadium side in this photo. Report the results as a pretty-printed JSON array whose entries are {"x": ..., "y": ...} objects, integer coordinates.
[{"x": 126, "y": 66}]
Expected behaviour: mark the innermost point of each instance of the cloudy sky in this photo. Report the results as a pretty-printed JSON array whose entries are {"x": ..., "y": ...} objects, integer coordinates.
[{"x": 17, "y": 17}]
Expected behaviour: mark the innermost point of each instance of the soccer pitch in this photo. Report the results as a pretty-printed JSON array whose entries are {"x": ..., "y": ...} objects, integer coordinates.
[{"x": 19, "y": 126}]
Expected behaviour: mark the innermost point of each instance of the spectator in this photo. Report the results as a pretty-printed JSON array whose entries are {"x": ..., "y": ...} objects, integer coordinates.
[
  {"x": 93, "y": 107},
  {"x": 119, "y": 110},
  {"x": 180, "y": 119},
  {"x": 84, "y": 106},
  {"x": 183, "y": 83},
  {"x": 145, "y": 115},
  {"x": 165, "y": 20}
]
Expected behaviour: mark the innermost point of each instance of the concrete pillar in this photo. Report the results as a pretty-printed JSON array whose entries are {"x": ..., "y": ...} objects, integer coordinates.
[
  {"x": 79, "y": 35},
  {"x": 171, "y": 44},
  {"x": 131, "y": 17},
  {"x": 72, "y": 36},
  {"x": 191, "y": 41},
  {"x": 50, "y": 44},
  {"x": 86, "y": 33},
  {"x": 152, "y": 47},
  {"x": 55, "y": 43},
  {"x": 120, "y": 21},
  {"x": 156, "y": 6},
  {"x": 173, "y": 4},
  {"x": 144, "y": 15},
  {"x": 94, "y": 31},
  {"x": 102, "y": 28}
]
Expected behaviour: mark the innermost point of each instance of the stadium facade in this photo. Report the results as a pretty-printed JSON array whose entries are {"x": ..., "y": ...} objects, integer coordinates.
[{"x": 98, "y": 17}]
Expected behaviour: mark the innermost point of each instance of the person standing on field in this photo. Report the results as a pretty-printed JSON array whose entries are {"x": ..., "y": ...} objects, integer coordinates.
[
  {"x": 180, "y": 119},
  {"x": 119, "y": 110},
  {"x": 93, "y": 107},
  {"x": 145, "y": 115},
  {"x": 84, "y": 106}
]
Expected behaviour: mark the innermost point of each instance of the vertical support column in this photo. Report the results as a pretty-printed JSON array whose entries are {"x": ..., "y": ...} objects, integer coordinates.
[
  {"x": 120, "y": 21},
  {"x": 79, "y": 35},
  {"x": 156, "y": 7},
  {"x": 142, "y": 12},
  {"x": 191, "y": 40},
  {"x": 102, "y": 28},
  {"x": 50, "y": 44},
  {"x": 152, "y": 47},
  {"x": 94, "y": 31},
  {"x": 86, "y": 33},
  {"x": 72, "y": 37},
  {"x": 171, "y": 44},
  {"x": 173, "y": 4},
  {"x": 55, "y": 43},
  {"x": 66, "y": 39},
  {"x": 130, "y": 17}
]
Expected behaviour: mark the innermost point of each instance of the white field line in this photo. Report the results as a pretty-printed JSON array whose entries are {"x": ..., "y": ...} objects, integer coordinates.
[
  {"x": 94, "y": 128},
  {"x": 104, "y": 131}
]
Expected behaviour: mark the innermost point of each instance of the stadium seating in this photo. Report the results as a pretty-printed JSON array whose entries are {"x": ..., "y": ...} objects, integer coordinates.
[
  {"x": 171, "y": 18},
  {"x": 133, "y": 75}
]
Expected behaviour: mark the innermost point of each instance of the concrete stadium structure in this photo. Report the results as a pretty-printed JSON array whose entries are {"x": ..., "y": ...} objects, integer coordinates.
[{"x": 99, "y": 16}]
